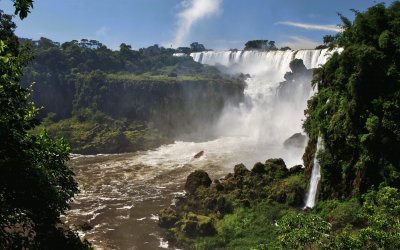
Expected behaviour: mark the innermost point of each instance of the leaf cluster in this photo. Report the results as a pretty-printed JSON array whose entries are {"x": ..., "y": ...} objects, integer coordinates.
[
  {"x": 35, "y": 183},
  {"x": 357, "y": 108}
]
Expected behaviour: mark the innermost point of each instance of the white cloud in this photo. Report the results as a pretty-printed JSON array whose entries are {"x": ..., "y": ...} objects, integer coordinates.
[
  {"x": 298, "y": 42},
  {"x": 308, "y": 26},
  {"x": 192, "y": 12},
  {"x": 101, "y": 31}
]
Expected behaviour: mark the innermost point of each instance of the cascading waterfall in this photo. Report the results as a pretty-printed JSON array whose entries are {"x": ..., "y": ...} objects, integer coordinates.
[
  {"x": 266, "y": 118},
  {"x": 315, "y": 178},
  {"x": 270, "y": 118},
  {"x": 255, "y": 62}
]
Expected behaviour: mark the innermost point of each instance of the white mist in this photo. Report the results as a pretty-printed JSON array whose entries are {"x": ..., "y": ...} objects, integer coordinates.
[{"x": 265, "y": 120}]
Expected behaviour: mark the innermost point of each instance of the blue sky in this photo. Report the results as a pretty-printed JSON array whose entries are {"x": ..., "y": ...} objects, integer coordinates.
[{"x": 218, "y": 24}]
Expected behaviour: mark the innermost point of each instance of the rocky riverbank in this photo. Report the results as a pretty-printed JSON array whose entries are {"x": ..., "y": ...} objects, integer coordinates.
[{"x": 202, "y": 217}]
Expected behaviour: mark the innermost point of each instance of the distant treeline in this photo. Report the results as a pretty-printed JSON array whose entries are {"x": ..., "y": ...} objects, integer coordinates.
[{"x": 58, "y": 68}]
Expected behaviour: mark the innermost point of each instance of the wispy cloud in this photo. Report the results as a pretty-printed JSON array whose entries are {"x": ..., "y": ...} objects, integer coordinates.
[
  {"x": 298, "y": 42},
  {"x": 192, "y": 12},
  {"x": 309, "y": 26}
]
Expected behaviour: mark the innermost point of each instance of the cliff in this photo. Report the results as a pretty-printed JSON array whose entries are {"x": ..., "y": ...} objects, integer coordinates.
[{"x": 114, "y": 113}]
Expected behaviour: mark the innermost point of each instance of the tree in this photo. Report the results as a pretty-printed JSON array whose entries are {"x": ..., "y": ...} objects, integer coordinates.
[
  {"x": 285, "y": 48},
  {"x": 382, "y": 208},
  {"x": 357, "y": 108},
  {"x": 197, "y": 47},
  {"x": 260, "y": 45},
  {"x": 35, "y": 183},
  {"x": 302, "y": 231},
  {"x": 381, "y": 228}
]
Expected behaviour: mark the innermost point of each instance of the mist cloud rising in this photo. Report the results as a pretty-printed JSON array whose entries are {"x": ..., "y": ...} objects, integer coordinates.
[{"x": 192, "y": 12}]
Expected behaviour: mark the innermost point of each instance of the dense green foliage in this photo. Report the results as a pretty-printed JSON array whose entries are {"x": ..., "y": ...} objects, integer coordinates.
[
  {"x": 372, "y": 223},
  {"x": 357, "y": 109},
  {"x": 256, "y": 210},
  {"x": 35, "y": 184},
  {"x": 194, "y": 47},
  {"x": 80, "y": 83},
  {"x": 260, "y": 45},
  {"x": 90, "y": 132},
  {"x": 58, "y": 69},
  {"x": 238, "y": 211}
]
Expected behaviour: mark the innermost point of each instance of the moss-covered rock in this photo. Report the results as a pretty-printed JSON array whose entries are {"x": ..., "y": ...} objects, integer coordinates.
[
  {"x": 195, "y": 225},
  {"x": 258, "y": 168},
  {"x": 290, "y": 190},
  {"x": 240, "y": 170},
  {"x": 167, "y": 217},
  {"x": 198, "y": 178},
  {"x": 204, "y": 206},
  {"x": 276, "y": 168}
]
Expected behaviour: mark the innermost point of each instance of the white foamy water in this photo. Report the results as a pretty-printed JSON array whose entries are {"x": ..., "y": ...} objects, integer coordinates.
[
  {"x": 266, "y": 120},
  {"x": 121, "y": 195},
  {"x": 311, "y": 196}
]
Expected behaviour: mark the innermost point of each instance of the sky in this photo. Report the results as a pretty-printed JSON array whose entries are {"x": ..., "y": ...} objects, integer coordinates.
[{"x": 218, "y": 24}]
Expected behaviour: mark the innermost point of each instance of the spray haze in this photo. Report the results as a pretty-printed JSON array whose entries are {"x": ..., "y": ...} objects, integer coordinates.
[
  {"x": 192, "y": 12},
  {"x": 258, "y": 127}
]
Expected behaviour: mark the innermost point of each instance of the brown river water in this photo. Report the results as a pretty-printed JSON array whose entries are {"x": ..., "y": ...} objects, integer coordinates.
[{"x": 122, "y": 194}]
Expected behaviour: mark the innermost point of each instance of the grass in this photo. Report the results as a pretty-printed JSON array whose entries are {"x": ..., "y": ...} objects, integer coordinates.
[{"x": 246, "y": 228}]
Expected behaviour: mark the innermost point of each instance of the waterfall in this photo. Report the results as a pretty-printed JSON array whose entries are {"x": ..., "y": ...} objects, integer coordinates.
[
  {"x": 266, "y": 118},
  {"x": 315, "y": 177},
  {"x": 256, "y": 61}
]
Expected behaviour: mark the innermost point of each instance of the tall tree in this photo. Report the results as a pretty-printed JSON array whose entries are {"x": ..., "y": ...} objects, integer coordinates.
[
  {"x": 357, "y": 108},
  {"x": 35, "y": 183}
]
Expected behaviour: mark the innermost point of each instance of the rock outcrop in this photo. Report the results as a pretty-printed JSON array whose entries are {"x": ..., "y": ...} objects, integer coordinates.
[{"x": 205, "y": 203}]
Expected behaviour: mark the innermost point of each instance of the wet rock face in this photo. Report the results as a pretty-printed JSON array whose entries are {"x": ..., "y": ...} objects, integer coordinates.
[
  {"x": 86, "y": 226},
  {"x": 297, "y": 140},
  {"x": 198, "y": 178},
  {"x": 167, "y": 218},
  {"x": 308, "y": 157}
]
